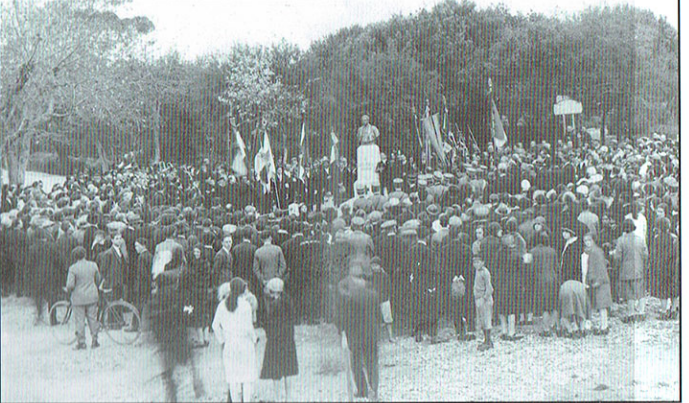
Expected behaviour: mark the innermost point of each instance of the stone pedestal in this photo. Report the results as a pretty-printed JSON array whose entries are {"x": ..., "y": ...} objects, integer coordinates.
[{"x": 367, "y": 159}]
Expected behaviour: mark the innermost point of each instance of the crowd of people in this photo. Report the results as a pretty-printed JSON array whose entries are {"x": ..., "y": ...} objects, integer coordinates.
[{"x": 507, "y": 233}]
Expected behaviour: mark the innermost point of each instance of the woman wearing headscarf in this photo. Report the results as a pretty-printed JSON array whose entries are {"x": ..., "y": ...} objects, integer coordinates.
[
  {"x": 234, "y": 329},
  {"x": 280, "y": 359},
  {"x": 595, "y": 269}
]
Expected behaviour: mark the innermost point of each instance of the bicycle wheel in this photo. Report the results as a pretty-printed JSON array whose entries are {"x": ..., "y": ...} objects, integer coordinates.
[
  {"x": 121, "y": 322},
  {"x": 63, "y": 329}
]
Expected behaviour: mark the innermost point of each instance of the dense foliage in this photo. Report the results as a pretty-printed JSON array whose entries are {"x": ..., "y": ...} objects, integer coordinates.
[{"x": 620, "y": 62}]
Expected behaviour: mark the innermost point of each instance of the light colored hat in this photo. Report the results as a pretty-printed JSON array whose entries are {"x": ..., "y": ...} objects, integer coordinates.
[
  {"x": 223, "y": 291},
  {"x": 455, "y": 221},
  {"x": 275, "y": 284}
]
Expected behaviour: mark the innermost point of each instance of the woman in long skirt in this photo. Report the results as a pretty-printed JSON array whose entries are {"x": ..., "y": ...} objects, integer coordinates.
[{"x": 280, "y": 359}]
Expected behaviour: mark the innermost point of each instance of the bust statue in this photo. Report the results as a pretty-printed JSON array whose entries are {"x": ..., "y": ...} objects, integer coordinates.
[{"x": 367, "y": 133}]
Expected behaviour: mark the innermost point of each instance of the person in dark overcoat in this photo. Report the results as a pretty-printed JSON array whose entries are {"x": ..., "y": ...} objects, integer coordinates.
[
  {"x": 280, "y": 359},
  {"x": 544, "y": 263},
  {"x": 358, "y": 319},
  {"x": 455, "y": 262},
  {"x": 509, "y": 284},
  {"x": 41, "y": 263},
  {"x": 424, "y": 288},
  {"x": 664, "y": 269},
  {"x": 597, "y": 280},
  {"x": 199, "y": 294}
]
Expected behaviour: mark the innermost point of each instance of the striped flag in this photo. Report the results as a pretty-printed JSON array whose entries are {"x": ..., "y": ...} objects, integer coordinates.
[
  {"x": 496, "y": 128},
  {"x": 264, "y": 163}
]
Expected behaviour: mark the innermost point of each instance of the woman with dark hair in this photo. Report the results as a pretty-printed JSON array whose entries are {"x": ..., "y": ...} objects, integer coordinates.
[
  {"x": 198, "y": 291},
  {"x": 595, "y": 269},
  {"x": 280, "y": 359},
  {"x": 664, "y": 269},
  {"x": 233, "y": 328}
]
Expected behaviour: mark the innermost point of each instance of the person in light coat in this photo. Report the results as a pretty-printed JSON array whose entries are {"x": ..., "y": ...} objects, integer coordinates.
[
  {"x": 83, "y": 280},
  {"x": 233, "y": 328},
  {"x": 631, "y": 253}
]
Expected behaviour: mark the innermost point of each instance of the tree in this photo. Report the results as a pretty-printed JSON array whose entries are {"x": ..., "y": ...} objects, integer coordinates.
[
  {"x": 58, "y": 60},
  {"x": 256, "y": 95}
]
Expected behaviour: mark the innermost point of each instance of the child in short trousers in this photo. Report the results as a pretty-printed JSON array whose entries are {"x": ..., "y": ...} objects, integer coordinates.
[{"x": 483, "y": 296}]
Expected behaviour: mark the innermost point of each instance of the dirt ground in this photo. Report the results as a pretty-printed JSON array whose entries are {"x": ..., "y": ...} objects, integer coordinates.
[{"x": 634, "y": 362}]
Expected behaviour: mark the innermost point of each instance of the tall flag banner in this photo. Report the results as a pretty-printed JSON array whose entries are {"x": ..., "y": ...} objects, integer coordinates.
[
  {"x": 239, "y": 155},
  {"x": 498, "y": 131},
  {"x": 264, "y": 163},
  {"x": 303, "y": 151},
  {"x": 334, "y": 147},
  {"x": 431, "y": 130},
  {"x": 496, "y": 128}
]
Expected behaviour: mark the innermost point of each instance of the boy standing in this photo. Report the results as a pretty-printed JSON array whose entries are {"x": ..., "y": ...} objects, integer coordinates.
[{"x": 483, "y": 296}]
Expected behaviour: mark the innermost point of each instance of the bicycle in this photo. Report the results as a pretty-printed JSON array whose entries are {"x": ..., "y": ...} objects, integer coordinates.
[{"x": 119, "y": 319}]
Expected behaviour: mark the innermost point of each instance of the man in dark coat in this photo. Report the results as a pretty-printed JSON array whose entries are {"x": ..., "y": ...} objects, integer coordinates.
[
  {"x": 243, "y": 259},
  {"x": 312, "y": 260},
  {"x": 424, "y": 287},
  {"x": 455, "y": 262},
  {"x": 42, "y": 264},
  {"x": 294, "y": 255},
  {"x": 142, "y": 278},
  {"x": 359, "y": 319},
  {"x": 222, "y": 264},
  {"x": 113, "y": 266}
]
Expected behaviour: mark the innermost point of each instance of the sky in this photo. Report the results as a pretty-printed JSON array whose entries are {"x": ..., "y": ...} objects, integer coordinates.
[{"x": 198, "y": 27}]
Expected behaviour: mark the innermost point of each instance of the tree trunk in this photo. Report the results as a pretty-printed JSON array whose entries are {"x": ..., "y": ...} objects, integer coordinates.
[
  {"x": 17, "y": 158},
  {"x": 602, "y": 129},
  {"x": 156, "y": 133}
]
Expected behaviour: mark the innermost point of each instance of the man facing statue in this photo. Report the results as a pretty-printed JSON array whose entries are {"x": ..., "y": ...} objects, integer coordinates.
[{"x": 367, "y": 133}]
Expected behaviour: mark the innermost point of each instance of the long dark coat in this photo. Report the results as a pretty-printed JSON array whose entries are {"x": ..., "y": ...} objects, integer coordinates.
[
  {"x": 663, "y": 265},
  {"x": 198, "y": 292},
  {"x": 280, "y": 359}
]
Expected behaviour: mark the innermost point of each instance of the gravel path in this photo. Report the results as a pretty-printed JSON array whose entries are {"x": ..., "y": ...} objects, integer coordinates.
[{"x": 639, "y": 361}]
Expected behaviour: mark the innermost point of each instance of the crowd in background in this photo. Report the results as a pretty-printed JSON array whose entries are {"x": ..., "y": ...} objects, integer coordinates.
[{"x": 527, "y": 214}]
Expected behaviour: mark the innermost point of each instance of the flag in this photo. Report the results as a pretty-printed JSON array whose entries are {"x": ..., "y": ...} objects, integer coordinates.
[
  {"x": 496, "y": 128},
  {"x": 431, "y": 130},
  {"x": 334, "y": 147},
  {"x": 303, "y": 152},
  {"x": 239, "y": 155},
  {"x": 264, "y": 163}
]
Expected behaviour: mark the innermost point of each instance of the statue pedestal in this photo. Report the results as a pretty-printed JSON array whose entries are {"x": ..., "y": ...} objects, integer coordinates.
[{"x": 367, "y": 159}]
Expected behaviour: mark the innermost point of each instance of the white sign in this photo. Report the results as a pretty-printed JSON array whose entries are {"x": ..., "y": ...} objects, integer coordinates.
[{"x": 567, "y": 107}]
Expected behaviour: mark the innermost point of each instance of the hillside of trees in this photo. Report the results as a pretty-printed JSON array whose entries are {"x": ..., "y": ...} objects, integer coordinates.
[{"x": 77, "y": 94}]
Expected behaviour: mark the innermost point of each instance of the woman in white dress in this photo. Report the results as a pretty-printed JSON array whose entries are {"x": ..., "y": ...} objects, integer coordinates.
[{"x": 233, "y": 328}]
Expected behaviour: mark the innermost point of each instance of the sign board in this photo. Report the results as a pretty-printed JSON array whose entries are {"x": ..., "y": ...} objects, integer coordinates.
[{"x": 566, "y": 106}]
